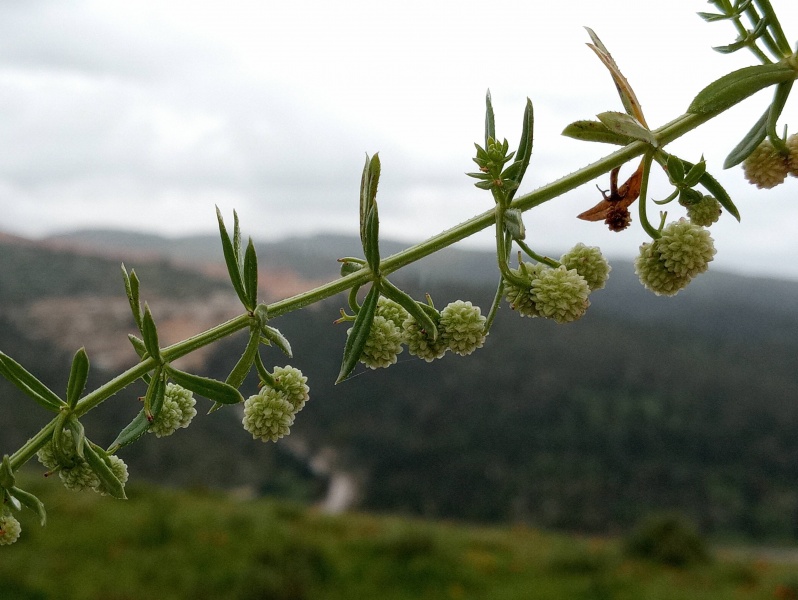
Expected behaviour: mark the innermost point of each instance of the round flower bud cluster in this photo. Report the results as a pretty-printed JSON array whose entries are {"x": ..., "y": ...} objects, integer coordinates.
[
  {"x": 766, "y": 167},
  {"x": 589, "y": 263},
  {"x": 269, "y": 414},
  {"x": 383, "y": 345},
  {"x": 9, "y": 527},
  {"x": 78, "y": 475},
  {"x": 792, "y": 144},
  {"x": 669, "y": 263},
  {"x": 462, "y": 327},
  {"x": 177, "y": 411},
  {"x": 420, "y": 343},
  {"x": 559, "y": 293},
  {"x": 393, "y": 311},
  {"x": 705, "y": 212}
]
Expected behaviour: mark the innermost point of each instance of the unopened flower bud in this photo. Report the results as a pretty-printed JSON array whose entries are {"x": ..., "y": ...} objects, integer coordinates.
[
  {"x": 462, "y": 327},
  {"x": 685, "y": 248},
  {"x": 655, "y": 276},
  {"x": 766, "y": 167},
  {"x": 419, "y": 341},
  {"x": 119, "y": 469},
  {"x": 268, "y": 415},
  {"x": 383, "y": 344},
  {"x": 589, "y": 263},
  {"x": 705, "y": 212},
  {"x": 9, "y": 528},
  {"x": 293, "y": 383},
  {"x": 561, "y": 294},
  {"x": 177, "y": 411}
]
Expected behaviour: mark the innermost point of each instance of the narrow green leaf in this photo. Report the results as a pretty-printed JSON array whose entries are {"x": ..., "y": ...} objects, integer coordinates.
[
  {"x": 368, "y": 192},
  {"x": 150, "y": 333},
  {"x": 749, "y": 143},
  {"x": 153, "y": 399},
  {"x": 273, "y": 336},
  {"x": 138, "y": 345},
  {"x": 738, "y": 85},
  {"x": 251, "y": 276},
  {"x": 627, "y": 126},
  {"x": 524, "y": 153},
  {"x": 133, "y": 431},
  {"x": 244, "y": 364},
  {"x": 371, "y": 245},
  {"x": 415, "y": 309},
  {"x": 514, "y": 223},
  {"x": 218, "y": 391},
  {"x": 77, "y": 377},
  {"x": 709, "y": 17},
  {"x": 675, "y": 169},
  {"x": 484, "y": 185},
  {"x": 27, "y": 383},
  {"x": 78, "y": 435},
  {"x": 132, "y": 291},
  {"x": 357, "y": 338},
  {"x": 780, "y": 97},
  {"x": 490, "y": 120},
  {"x": 62, "y": 456},
  {"x": 237, "y": 241},
  {"x": 31, "y": 502},
  {"x": 595, "y": 131},
  {"x": 695, "y": 173},
  {"x": 231, "y": 258},
  {"x": 102, "y": 469},
  {"x": 733, "y": 47}
]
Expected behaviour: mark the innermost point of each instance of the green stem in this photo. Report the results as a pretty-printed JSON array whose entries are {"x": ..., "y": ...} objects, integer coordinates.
[
  {"x": 538, "y": 257},
  {"x": 669, "y": 132},
  {"x": 651, "y": 231},
  {"x": 775, "y": 27}
]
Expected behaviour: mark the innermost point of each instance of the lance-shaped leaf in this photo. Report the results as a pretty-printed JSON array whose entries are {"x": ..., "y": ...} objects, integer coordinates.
[
  {"x": 738, "y": 85},
  {"x": 713, "y": 186},
  {"x": 132, "y": 291},
  {"x": 627, "y": 126},
  {"x": 78, "y": 435},
  {"x": 138, "y": 345},
  {"x": 77, "y": 377},
  {"x": 625, "y": 91},
  {"x": 251, "y": 275},
  {"x": 231, "y": 257},
  {"x": 60, "y": 449},
  {"x": 357, "y": 338},
  {"x": 150, "y": 333},
  {"x": 524, "y": 153},
  {"x": 30, "y": 385},
  {"x": 371, "y": 245},
  {"x": 98, "y": 461},
  {"x": 273, "y": 336},
  {"x": 218, "y": 391},
  {"x": 31, "y": 501},
  {"x": 490, "y": 120},
  {"x": 244, "y": 364},
  {"x": 595, "y": 131},
  {"x": 368, "y": 192},
  {"x": 415, "y": 309},
  {"x": 153, "y": 401}
]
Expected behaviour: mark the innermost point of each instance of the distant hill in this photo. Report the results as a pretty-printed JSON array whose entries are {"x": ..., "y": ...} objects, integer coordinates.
[{"x": 687, "y": 403}]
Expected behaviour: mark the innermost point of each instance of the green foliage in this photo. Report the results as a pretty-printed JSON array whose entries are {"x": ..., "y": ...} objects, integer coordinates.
[
  {"x": 667, "y": 539},
  {"x": 169, "y": 545}
]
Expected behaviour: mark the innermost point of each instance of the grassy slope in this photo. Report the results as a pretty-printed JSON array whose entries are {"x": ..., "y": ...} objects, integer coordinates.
[{"x": 167, "y": 544}]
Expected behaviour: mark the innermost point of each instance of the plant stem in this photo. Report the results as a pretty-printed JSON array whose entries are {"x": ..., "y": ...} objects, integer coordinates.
[{"x": 667, "y": 133}]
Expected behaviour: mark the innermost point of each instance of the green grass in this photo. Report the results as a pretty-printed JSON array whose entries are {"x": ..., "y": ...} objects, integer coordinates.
[{"x": 168, "y": 544}]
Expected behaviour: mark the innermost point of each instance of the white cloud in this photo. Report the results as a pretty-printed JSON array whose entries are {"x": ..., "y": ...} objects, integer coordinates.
[{"x": 146, "y": 114}]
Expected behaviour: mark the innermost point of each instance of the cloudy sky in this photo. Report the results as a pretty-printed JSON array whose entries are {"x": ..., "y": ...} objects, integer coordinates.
[{"x": 144, "y": 115}]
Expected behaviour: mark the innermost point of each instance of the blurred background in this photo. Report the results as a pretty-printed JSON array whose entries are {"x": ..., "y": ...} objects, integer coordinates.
[{"x": 645, "y": 451}]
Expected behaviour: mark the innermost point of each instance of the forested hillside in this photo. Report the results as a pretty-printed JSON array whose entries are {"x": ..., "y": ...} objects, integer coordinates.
[{"x": 647, "y": 403}]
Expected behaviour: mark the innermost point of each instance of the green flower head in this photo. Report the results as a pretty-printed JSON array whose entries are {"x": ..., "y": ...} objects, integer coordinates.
[
  {"x": 419, "y": 343},
  {"x": 177, "y": 411},
  {"x": 383, "y": 345},
  {"x": 293, "y": 383},
  {"x": 655, "y": 276},
  {"x": 686, "y": 249},
  {"x": 766, "y": 167},
  {"x": 119, "y": 469},
  {"x": 393, "y": 311},
  {"x": 589, "y": 263},
  {"x": 521, "y": 297},
  {"x": 792, "y": 144},
  {"x": 268, "y": 415},
  {"x": 9, "y": 527},
  {"x": 705, "y": 212},
  {"x": 561, "y": 294},
  {"x": 462, "y": 327}
]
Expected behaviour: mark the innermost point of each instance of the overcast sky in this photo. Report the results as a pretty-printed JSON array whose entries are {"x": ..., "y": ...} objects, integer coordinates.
[{"x": 144, "y": 115}]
